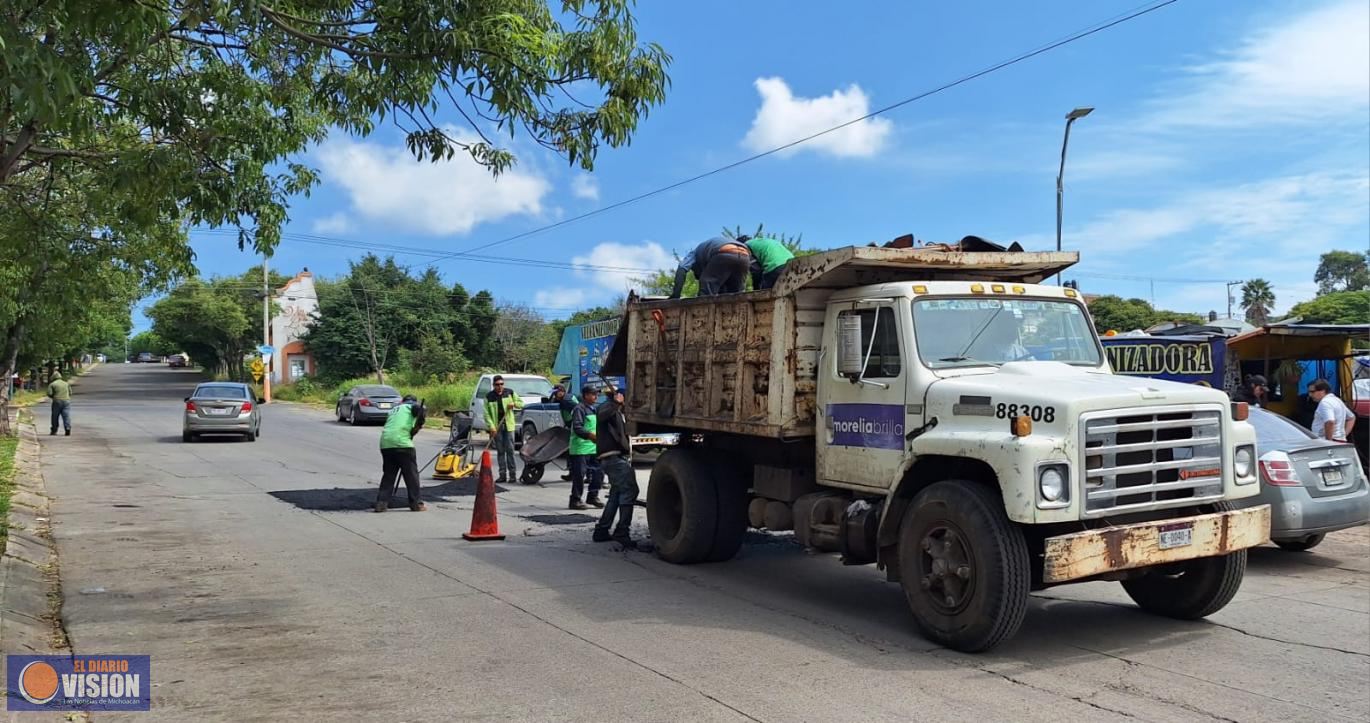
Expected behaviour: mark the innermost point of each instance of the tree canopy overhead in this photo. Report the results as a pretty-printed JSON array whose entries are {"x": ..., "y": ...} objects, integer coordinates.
[
  {"x": 192, "y": 104},
  {"x": 1343, "y": 271}
]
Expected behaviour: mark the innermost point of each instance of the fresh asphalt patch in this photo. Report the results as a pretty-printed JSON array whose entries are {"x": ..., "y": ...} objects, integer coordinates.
[
  {"x": 352, "y": 499},
  {"x": 567, "y": 519}
]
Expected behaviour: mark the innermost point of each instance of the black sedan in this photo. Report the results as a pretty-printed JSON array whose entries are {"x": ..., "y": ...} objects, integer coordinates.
[{"x": 367, "y": 403}]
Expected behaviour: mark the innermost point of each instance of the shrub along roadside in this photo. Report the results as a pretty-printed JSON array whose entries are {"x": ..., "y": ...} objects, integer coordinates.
[
  {"x": 8, "y": 445},
  {"x": 437, "y": 396}
]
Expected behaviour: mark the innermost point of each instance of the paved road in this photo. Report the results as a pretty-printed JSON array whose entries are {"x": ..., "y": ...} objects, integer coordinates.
[{"x": 261, "y": 591}]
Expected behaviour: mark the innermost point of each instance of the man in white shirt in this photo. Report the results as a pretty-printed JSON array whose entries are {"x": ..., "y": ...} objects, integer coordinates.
[{"x": 1332, "y": 420}]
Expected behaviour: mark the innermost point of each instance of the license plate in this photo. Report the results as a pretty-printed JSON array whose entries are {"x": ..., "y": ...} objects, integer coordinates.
[
  {"x": 219, "y": 412},
  {"x": 1176, "y": 535},
  {"x": 384, "y": 405},
  {"x": 1331, "y": 476}
]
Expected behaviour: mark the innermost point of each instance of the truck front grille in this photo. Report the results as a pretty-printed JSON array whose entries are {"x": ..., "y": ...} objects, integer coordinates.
[{"x": 1157, "y": 458}]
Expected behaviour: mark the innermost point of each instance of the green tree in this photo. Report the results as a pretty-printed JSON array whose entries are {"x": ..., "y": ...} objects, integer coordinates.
[
  {"x": 1337, "y": 307},
  {"x": 1259, "y": 300},
  {"x": 149, "y": 341},
  {"x": 1343, "y": 271},
  {"x": 1115, "y": 313},
  {"x": 195, "y": 103}
]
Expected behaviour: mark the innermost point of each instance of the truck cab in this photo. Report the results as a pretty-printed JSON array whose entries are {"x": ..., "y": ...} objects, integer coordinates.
[{"x": 950, "y": 419}]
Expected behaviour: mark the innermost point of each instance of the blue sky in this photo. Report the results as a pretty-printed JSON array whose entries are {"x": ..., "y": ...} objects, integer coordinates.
[{"x": 1230, "y": 141}]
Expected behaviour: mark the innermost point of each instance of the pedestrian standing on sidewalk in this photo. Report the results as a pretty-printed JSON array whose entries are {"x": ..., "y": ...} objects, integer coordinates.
[
  {"x": 397, "y": 454},
  {"x": 616, "y": 457},
  {"x": 500, "y": 407},
  {"x": 60, "y": 393},
  {"x": 584, "y": 463}
]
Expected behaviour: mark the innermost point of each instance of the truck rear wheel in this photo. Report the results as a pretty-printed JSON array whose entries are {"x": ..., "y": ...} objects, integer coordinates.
[
  {"x": 1191, "y": 589},
  {"x": 687, "y": 521},
  {"x": 964, "y": 566}
]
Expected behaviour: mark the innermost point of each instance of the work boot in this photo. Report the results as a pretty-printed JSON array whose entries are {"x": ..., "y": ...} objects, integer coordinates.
[
  {"x": 625, "y": 541},
  {"x": 381, "y": 506},
  {"x": 576, "y": 504},
  {"x": 53, "y": 433},
  {"x": 67, "y": 432},
  {"x": 593, "y": 501},
  {"x": 602, "y": 535},
  {"x": 566, "y": 477},
  {"x": 501, "y": 479},
  {"x": 420, "y": 507}
]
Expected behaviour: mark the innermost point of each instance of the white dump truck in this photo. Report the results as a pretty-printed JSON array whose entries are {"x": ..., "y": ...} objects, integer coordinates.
[{"x": 941, "y": 415}]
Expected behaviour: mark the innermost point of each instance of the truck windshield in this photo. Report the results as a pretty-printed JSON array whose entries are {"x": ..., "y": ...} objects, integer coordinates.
[{"x": 958, "y": 332}]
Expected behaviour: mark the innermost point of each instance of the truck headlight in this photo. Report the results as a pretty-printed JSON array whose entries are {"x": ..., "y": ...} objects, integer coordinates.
[
  {"x": 1052, "y": 485},
  {"x": 1242, "y": 463}
]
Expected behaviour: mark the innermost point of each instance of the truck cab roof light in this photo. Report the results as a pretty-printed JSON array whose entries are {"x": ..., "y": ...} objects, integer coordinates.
[
  {"x": 997, "y": 288},
  {"x": 1071, "y": 293},
  {"x": 977, "y": 288}
]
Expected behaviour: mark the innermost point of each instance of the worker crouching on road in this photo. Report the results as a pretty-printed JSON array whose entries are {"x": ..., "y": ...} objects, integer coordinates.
[
  {"x": 616, "y": 457},
  {"x": 397, "y": 453},
  {"x": 584, "y": 463},
  {"x": 769, "y": 258},
  {"x": 501, "y": 406},
  {"x": 720, "y": 265}
]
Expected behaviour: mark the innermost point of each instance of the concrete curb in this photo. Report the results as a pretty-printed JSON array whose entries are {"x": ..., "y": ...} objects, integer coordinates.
[{"x": 30, "y": 593}]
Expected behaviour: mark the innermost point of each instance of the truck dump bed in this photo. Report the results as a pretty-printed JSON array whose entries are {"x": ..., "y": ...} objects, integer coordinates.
[{"x": 747, "y": 363}]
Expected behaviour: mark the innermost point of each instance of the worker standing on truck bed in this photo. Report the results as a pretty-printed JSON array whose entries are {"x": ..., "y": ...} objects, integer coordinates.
[
  {"x": 616, "y": 457},
  {"x": 769, "y": 258},
  {"x": 500, "y": 405},
  {"x": 720, "y": 264},
  {"x": 584, "y": 464}
]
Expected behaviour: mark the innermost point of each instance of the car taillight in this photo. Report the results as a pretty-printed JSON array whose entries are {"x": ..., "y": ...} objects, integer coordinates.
[
  {"x": 1279, "y": 473},
  {"x": 365, "y": 402},
  {"x": 247, "y": 406},
  {"x": 190, "y": 406}
]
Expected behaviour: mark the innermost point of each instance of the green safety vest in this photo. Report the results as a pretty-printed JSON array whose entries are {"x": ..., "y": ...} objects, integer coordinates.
[{"x": 580, "y": 445}]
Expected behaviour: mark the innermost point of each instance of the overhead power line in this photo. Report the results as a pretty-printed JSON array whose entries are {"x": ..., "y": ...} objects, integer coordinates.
[{"x": 1021, "y": 57}]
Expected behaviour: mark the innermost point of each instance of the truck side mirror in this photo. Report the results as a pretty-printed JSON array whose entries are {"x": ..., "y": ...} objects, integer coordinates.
[{"x": 850, "y": 355}]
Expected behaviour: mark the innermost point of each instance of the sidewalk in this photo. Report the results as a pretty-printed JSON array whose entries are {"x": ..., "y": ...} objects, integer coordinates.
[{"x": 30, "y": 589}]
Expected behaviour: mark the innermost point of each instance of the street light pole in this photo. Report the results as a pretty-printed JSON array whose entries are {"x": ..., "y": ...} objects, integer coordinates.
[
  {"x": 266, "y": 331},
  {"x": 1071, "y": 117}
]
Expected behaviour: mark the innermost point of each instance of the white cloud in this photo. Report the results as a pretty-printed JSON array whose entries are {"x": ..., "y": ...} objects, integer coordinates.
[
  {"x": 1311, "y": 67},
  {"x": 585, "y": 186},
  {"x": 333, "y": 223},
  {"x": 784, "y": 117},
  {"x": 613, "y": 269},
  {"x": 1280, "y": 211},
  {"x": 386, "y": 183}
]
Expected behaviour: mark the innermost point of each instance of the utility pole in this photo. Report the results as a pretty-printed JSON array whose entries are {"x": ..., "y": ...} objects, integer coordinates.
[
  {"x": 1071, "y": 117},
  {"x": 266, "y": 330},
  {"x": 1230, "y": 284}
]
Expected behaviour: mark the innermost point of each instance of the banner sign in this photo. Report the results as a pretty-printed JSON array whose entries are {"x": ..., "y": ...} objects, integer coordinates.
[
  {"x": 1177, "y": 359},
  {"x": 879, "y": 426}
]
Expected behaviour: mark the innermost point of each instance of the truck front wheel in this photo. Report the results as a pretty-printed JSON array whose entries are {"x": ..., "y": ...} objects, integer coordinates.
[
  {"x": 1191, "y": 589},
  {"x": 964, "y": 566},
  {"x": 682, "y": 508}
]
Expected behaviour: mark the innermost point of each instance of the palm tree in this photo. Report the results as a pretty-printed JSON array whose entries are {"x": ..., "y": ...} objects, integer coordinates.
[{"x": 1259, "y": 300}]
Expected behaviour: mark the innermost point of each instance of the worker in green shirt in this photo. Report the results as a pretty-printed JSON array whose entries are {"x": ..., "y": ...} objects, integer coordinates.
[
  {"x": 60, "y": 393},
  {"x": 584, "y": 465},
  {"x": 397, "y": 453},
  {"x": 769, "y": 257}
]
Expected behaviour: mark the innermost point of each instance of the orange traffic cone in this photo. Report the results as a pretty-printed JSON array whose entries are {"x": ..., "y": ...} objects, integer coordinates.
[{"x": 484, "y": 523}]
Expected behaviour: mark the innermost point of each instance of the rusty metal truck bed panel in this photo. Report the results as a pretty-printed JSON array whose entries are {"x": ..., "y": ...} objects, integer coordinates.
[{"x": 748, "y": 363}]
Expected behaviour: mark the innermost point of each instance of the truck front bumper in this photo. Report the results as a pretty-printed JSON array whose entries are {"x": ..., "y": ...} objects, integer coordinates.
[{"x": 1126, "y": 547}]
